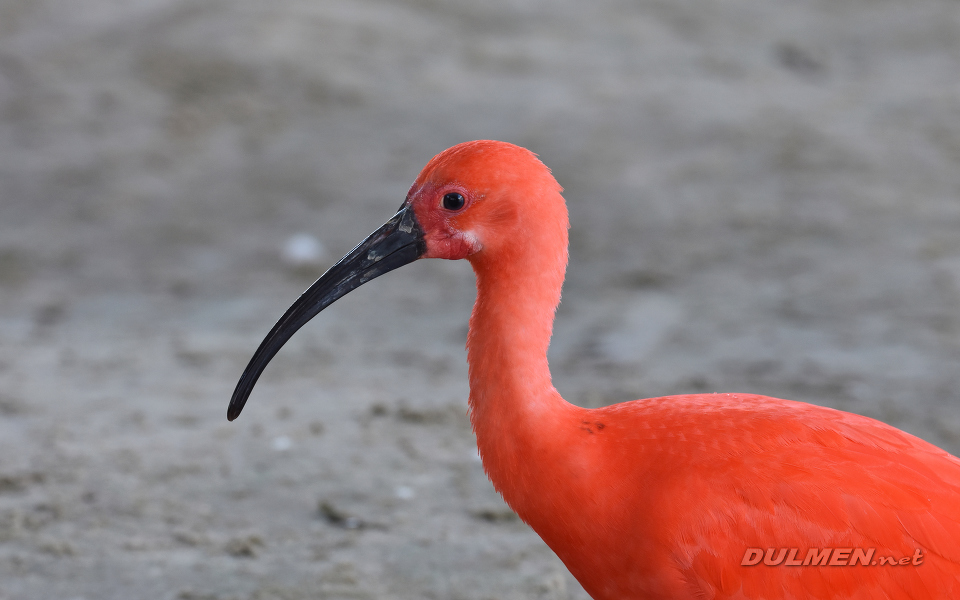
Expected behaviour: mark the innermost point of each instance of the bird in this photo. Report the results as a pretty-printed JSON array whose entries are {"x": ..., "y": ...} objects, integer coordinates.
[{"x": 713, "y": 495}]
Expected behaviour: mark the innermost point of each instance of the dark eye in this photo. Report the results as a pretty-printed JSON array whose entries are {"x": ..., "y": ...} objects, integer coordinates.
[{"x": 453, "y": 201}]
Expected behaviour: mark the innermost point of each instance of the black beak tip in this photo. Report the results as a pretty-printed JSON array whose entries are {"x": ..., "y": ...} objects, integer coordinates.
[
  {"x": 235, "y": 408},
  {"x": 239, "y": 398}
]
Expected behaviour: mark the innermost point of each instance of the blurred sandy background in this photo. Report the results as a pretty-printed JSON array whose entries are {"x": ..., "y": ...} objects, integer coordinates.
[{"x": 765, "y": 197}]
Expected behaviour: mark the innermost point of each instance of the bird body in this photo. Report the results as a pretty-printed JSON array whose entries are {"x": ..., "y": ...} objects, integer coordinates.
[
  {"x": 660, "y": 498},
  {"x": 663, "y": 497}
]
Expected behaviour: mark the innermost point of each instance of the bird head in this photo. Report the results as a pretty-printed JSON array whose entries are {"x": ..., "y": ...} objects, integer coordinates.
[
  {"x": 489, "y": 202},
  {"x": 483, "y": 197}
]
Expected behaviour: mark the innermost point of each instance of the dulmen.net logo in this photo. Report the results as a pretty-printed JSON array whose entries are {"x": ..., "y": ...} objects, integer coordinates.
[{"x": 826, "y": 557}]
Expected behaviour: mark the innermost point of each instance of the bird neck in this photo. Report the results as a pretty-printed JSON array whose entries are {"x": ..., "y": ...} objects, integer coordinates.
[{"x": 513, "y": 404}]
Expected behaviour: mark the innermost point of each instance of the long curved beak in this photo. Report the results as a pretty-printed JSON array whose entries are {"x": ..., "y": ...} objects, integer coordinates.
[{"x": 398, "y": 242}]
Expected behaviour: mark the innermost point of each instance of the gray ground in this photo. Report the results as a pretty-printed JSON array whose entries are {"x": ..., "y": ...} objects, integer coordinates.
[{"x": 765, "y": 197}]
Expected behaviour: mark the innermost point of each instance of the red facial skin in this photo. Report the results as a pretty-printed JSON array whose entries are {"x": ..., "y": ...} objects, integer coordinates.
[{"x": 443, "y": 228}]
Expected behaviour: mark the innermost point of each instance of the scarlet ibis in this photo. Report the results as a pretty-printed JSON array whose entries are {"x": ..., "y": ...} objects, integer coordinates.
[{"x": 696, "y": 496}]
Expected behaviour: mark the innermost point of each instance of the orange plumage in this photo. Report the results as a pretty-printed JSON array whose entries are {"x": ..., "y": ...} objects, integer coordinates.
[{"x": 660, "y": 498}]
